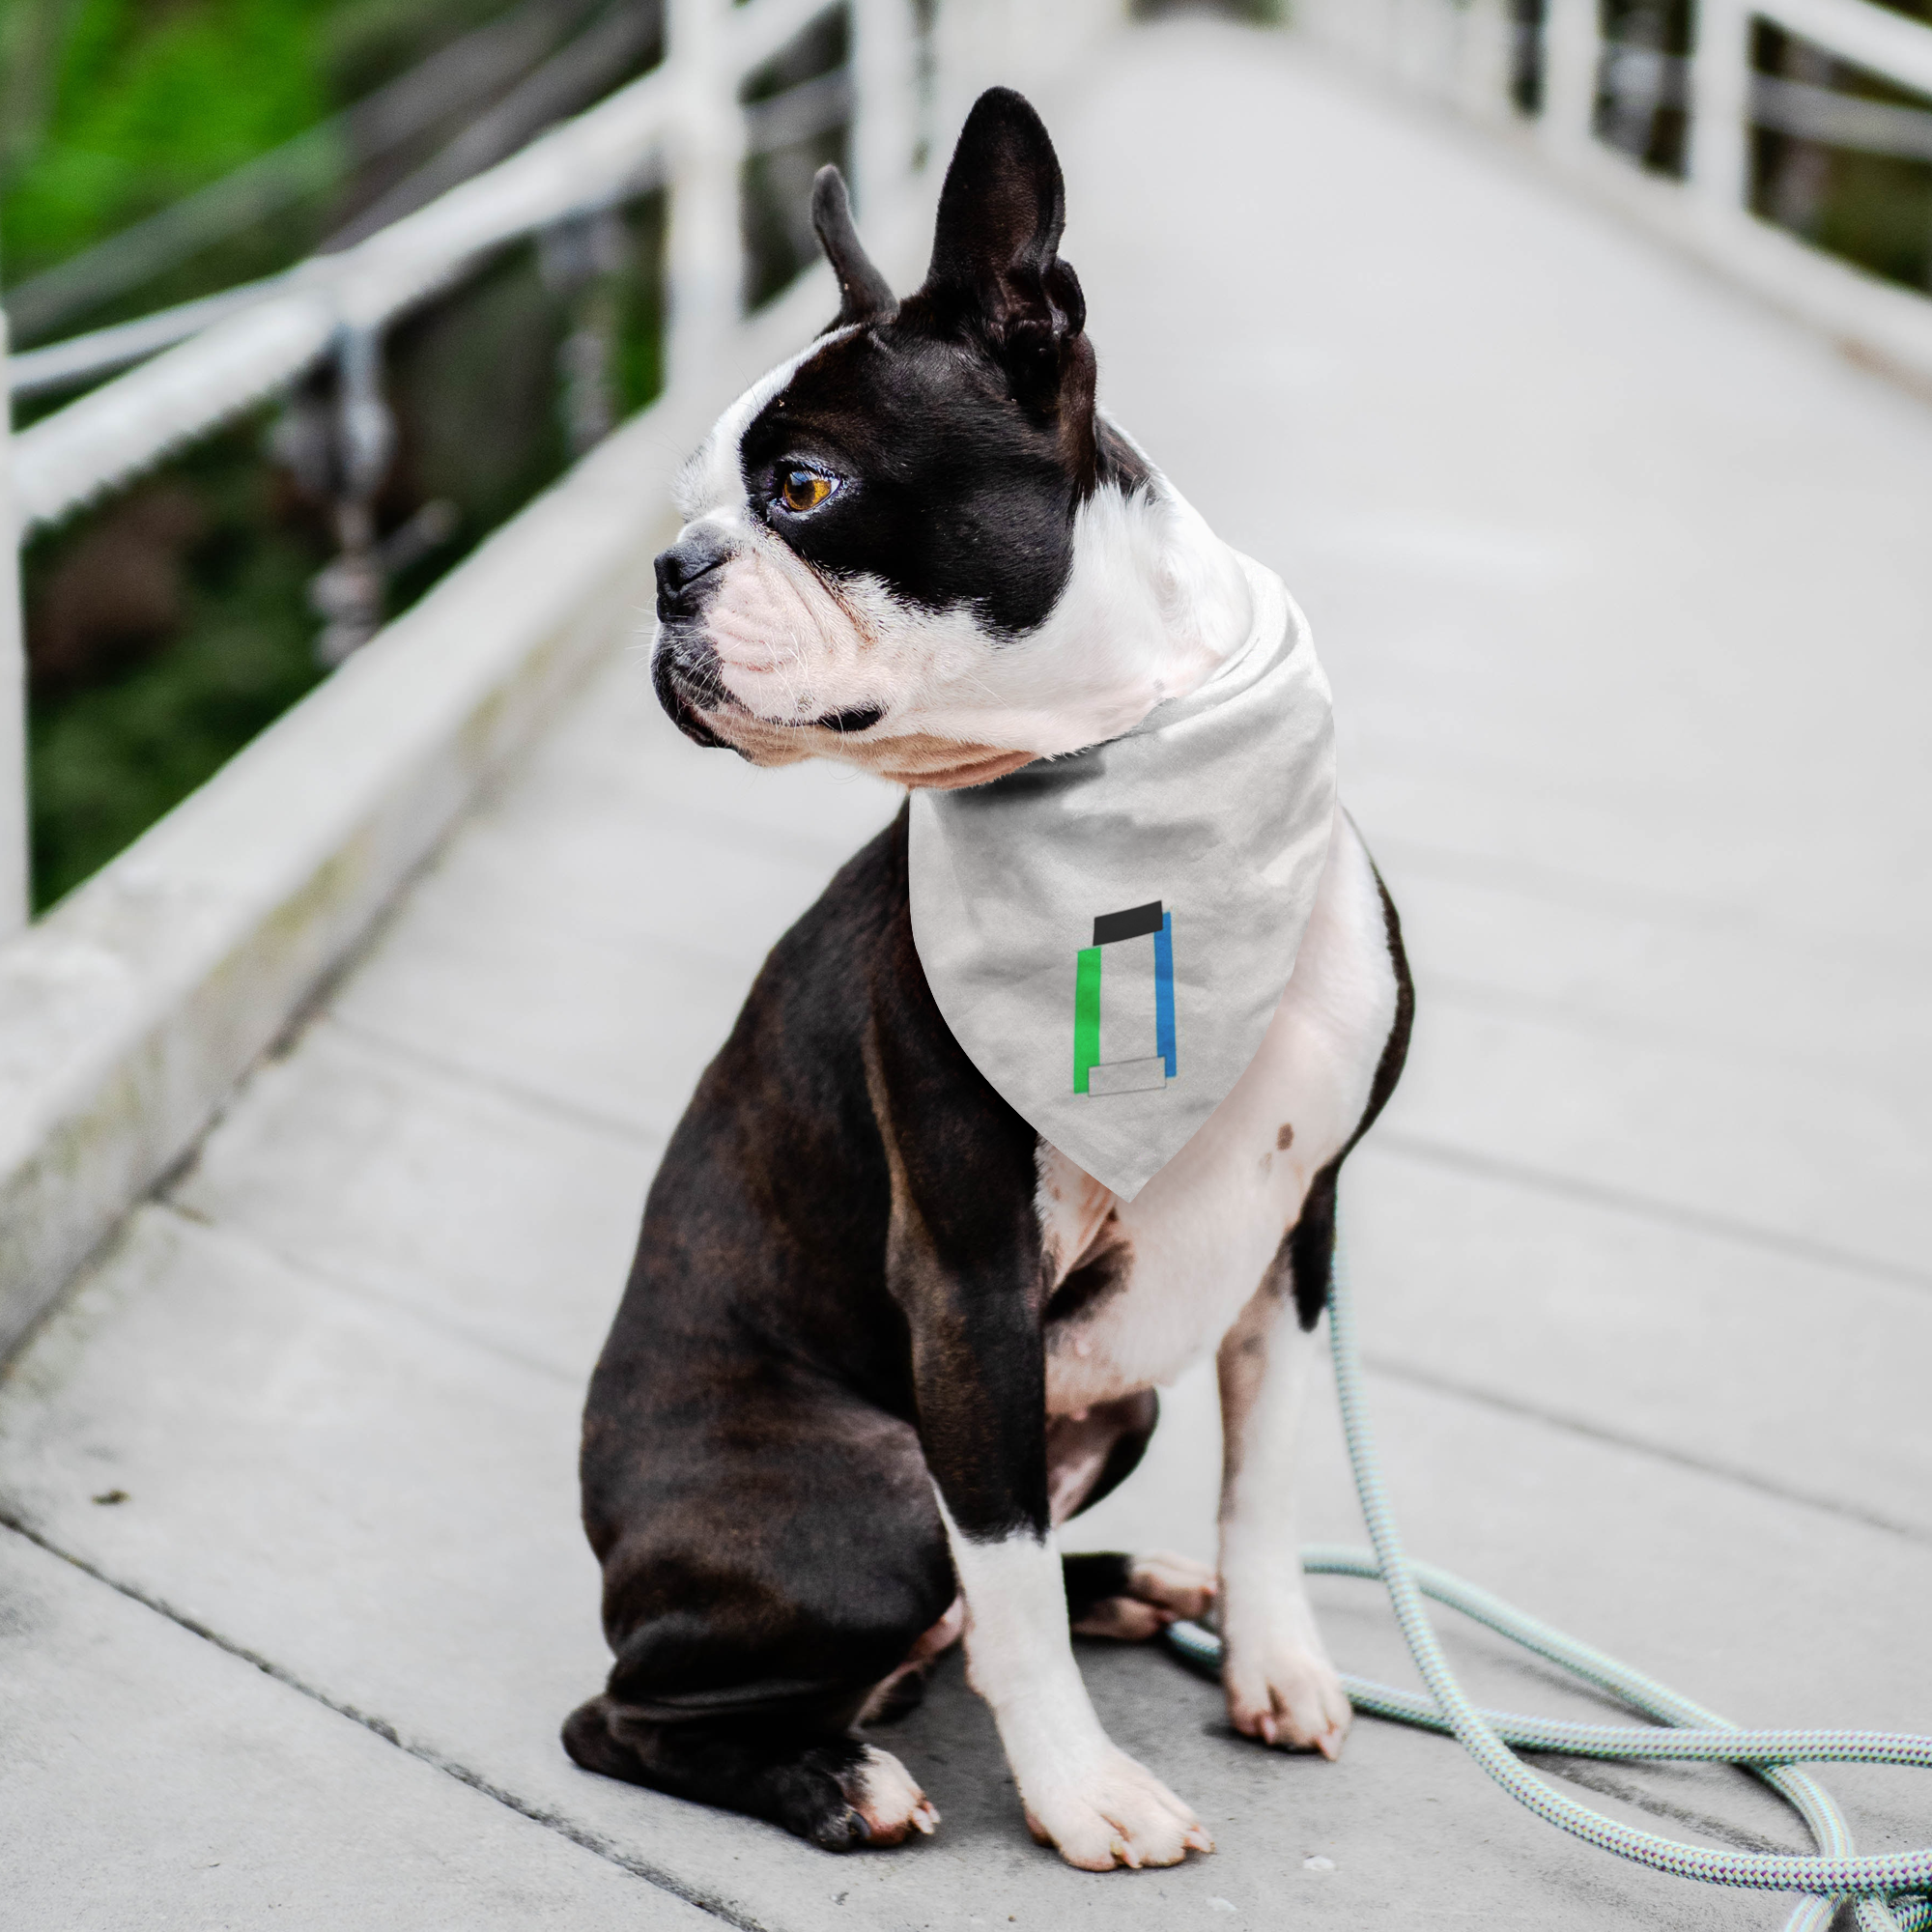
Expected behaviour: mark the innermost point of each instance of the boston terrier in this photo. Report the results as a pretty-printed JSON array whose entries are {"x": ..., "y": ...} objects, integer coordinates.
[{"x": 880, "y": 1337}]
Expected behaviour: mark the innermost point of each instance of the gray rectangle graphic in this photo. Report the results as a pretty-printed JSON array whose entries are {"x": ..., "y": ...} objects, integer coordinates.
[{"x": 1126, "y": 1076}]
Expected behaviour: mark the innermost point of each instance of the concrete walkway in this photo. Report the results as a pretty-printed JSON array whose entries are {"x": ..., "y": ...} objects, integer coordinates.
[{"x": 1625, "y": 591}]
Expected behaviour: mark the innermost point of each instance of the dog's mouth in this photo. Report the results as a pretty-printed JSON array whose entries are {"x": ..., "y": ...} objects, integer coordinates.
[
  {"x": 849, "y": 723},
  {"x": 689, "y": 679},
  {"x": 684, "y": 674}
]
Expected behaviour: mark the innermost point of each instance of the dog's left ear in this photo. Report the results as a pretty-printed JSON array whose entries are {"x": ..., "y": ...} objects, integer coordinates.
[
  {"x": 994, "y": 259},
  {"x": 863, "y": 292}
]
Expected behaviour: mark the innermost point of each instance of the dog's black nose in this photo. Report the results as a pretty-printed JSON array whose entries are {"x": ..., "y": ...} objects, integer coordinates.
[{"x": 684, "y": 571}]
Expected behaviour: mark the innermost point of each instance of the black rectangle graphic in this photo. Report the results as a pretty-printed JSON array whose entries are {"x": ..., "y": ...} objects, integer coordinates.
[{"x": 1133, "y": 923}]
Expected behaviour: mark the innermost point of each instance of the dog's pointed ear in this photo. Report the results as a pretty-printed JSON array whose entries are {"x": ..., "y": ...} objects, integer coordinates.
[
  {"x": 994, "y": 249},
  {"x": 863, "y": 292}
]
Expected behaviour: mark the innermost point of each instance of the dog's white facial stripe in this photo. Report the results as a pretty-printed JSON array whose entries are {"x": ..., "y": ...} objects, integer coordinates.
[{"x": 711, "y": 478}]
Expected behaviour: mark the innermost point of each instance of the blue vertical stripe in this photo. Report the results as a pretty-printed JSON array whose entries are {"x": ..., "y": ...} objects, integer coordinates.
[{"x": 1163, "y": 992}]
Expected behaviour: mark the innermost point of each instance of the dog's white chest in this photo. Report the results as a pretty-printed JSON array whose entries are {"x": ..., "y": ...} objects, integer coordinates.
[{"x": 1143, "y": 1287}]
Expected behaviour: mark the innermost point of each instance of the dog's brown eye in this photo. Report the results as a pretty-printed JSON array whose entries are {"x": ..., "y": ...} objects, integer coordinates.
[{"x": 804, "y": 489}]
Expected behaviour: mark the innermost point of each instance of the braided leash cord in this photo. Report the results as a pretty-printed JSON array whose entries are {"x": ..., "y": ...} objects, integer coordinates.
[{"x": 1879, "y": 1885}]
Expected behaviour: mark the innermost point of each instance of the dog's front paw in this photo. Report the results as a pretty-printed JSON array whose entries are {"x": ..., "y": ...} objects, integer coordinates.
[
  {"x": 883, "y": 1805},
  {"x": 1285, "y": 1692},
  {"x": 1117, "y": 1812},
  {"x": 1160, "y": 1588}
]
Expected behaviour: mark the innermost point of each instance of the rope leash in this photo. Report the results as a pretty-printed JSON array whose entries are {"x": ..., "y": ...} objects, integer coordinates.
[{"x": 1881, "y": 1887}]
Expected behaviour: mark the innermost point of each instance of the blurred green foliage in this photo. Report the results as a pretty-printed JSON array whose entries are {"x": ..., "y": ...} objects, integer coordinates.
[
  {"x": 170, "y": 623},
  {"x": 189, "y": 594},
  {"x": 133, "y": 106},
  {"x": 109, "y": 753},
  {"x": 111, "y": 110}
]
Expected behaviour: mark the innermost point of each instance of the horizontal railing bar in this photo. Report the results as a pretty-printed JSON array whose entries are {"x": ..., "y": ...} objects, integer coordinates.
[
  {"x": 755, "y": 34},
  {"x": 60, "y": 365},
  {"x": 799, "y": 112},
  {"x": 1807, "y": 113},
  {"x": 601, "y": 153},
  {"x": 795, "y": 115},
  {"x": 440, "y": 86},
  {"x": 1800, "y": 109},
  {"x": 572, "y": 76},
  {"x": 126, "y": 425},
  {"x": 129, "y": 424},
  {"x": 1887, "y": 45},
  {"x": 137, "y": 254},
  {"x": 1670, "y": 73}
]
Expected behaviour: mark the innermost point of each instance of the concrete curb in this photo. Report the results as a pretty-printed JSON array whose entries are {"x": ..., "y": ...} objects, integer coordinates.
[{"x": 131, "y": 1009}]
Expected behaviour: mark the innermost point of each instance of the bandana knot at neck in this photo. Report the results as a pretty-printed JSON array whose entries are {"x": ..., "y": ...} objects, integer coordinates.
[{"x": 1109, "y": 933}]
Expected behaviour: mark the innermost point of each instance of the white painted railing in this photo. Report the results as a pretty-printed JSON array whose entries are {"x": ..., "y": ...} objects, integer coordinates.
[
  {"x": 681, "y": 127},
  {"x": 1467, "y": 53},
  {"x": 334, "y": 304}
]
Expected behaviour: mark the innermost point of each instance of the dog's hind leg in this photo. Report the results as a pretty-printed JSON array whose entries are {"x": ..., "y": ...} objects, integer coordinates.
[
  {"x": 1109, "y": 1593},
  {"x": 1133, "y": 1598},
  {"x": 760, "y": 1579},
  {"x": 1090, "y": 1455},
  {"x": 817, "y": 1780}
]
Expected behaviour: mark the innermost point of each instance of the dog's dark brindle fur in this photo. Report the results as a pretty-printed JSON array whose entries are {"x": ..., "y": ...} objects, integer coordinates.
[{"x": 851, "y": 1282}]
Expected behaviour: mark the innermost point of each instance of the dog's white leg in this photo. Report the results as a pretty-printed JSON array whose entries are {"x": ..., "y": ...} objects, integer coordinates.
[
  {"x": 1080, "y": 1792},
  {"x": 1280, "y": 1683}
]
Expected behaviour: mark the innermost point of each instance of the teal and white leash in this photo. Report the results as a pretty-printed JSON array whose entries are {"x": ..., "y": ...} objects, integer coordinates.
[{"x": 1879, "y": 1885}]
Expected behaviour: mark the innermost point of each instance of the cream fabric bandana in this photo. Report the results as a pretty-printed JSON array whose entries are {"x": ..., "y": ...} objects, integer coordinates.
[{"x": 1108, "y": 934}]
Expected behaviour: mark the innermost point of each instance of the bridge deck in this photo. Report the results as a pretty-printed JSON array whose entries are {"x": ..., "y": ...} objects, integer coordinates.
[{"x": 1623, "y": 586}]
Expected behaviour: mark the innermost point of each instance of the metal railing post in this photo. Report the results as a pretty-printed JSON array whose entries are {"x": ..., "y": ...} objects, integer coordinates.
[
  {"x": 1427, "y": 46},
  {"x": 578, "y": 258},
  {"x": 14, "y": 881},
  {"x": 703, "y": 253},
  {"x": 1572, "y": 51},
  {"x": 1482, "y": 59},
  {"x": 884, "y": 111},
  {"x": 1721, "y": 107},
  {"x": 348, "y": 592}
]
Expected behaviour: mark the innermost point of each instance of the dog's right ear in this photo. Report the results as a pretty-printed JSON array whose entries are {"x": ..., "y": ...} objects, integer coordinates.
[
  {"x": 995, "y": 260},
  {"x": 863, "y": 292}
]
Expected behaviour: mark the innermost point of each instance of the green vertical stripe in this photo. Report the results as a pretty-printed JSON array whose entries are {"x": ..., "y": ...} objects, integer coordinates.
[{"x": 1086, "y": 1016}]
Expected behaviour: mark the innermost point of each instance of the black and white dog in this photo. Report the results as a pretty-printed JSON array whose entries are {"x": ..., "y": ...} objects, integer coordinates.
[{"x": 880, "y": 1338}]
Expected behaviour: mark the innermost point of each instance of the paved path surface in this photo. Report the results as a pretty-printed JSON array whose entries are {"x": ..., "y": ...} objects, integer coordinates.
[{"x": 1624, "y": 591}]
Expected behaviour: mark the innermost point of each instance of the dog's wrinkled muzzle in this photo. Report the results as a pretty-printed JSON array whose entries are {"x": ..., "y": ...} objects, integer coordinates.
[
  {"x": 685, "y": 670},
  {"x": 685, "y": 666}
]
